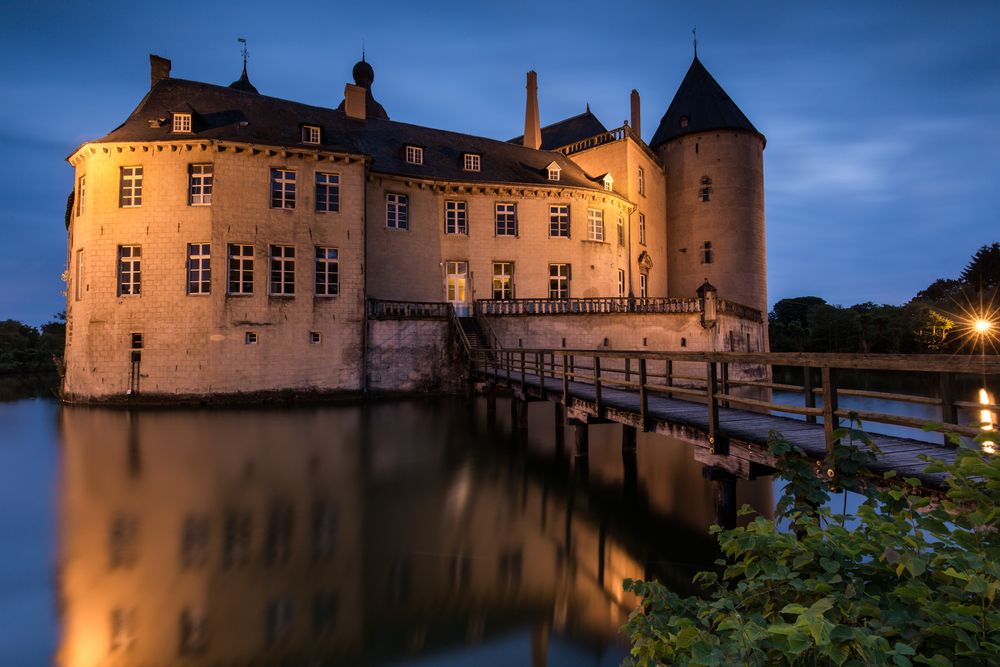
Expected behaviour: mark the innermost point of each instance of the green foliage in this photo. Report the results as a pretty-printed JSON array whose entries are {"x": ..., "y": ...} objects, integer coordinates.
[
  {"x": 983, "y": 270},
  {"x": 907, "y": 580},
  {"x": 25, "y": 349}
]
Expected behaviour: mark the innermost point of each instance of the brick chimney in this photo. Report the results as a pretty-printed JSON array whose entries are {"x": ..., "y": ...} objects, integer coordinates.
[
  {"x": 532, "y": 127},
  {"x": 636, "y": 127},
  {"x": 159, "y": 68},
  {"x": 355, "y": 101}
]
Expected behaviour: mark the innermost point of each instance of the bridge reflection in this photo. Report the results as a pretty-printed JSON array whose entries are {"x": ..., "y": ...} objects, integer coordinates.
[{"x": 386, "y": 533}]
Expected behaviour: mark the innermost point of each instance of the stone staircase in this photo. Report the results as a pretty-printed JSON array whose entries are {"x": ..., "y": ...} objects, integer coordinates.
[{"x": 479, "y": 342}]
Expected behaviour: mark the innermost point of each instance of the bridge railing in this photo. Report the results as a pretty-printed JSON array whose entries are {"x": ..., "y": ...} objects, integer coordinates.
[
  {"x": 404, "y": 310},
  {"x": 676, "y": 374}
]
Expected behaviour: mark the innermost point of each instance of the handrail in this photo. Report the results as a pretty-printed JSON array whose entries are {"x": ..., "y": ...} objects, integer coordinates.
[
  {"x": 491, "y": 332},
  {"x": 383, "y": 309},
  {"x": 587, "y": 306},
  {"x": 453, "y": 319}
]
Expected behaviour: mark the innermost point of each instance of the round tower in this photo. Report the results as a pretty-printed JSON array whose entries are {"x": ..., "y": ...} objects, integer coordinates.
[{"x": 713, "y": 159}]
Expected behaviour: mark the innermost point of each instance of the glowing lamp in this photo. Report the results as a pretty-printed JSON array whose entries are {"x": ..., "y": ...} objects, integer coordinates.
[{"x": 982, "y": 326}]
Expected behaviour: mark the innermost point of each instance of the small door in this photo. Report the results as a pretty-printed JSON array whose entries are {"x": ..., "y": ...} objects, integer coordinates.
[{"x": 458, "y": 278}]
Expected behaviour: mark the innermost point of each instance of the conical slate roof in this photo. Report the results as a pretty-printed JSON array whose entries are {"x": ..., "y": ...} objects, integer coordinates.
[{"x": 700, "y": 105}]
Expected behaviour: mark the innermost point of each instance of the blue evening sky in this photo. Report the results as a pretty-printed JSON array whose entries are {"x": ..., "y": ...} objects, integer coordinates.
[{"x": 882, "y": 168}]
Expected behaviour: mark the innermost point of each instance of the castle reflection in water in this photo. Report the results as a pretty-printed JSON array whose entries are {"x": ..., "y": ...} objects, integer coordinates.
[{"x": 363, "y": 534}]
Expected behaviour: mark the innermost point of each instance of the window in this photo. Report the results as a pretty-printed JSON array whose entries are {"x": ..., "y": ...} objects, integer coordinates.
[
  {"x": 471, "y": 162},
  {"x": 193, "y": 638},
  {"x": 129, "y": 270},
  {"x": 130, "y": 187},
  {"x": 642, "y": 228},
  {"x": 199, "y": 268},
  {"x": 182, "y": 122},
  {"x": 250, "y": 338},
  {"x": 282, "y": 188},
  {"x": 327, "y": 272},
  {"x": 310, "y": 134},
  {"x": 122, "y": 628},
  {"x": 595, "y": 224},
  {"x": 684, "y": 121},
  {"x": 456, "y": 281},
  {"x": 282, "y": 270},
  {"x": 123, "y": 541},
  {"x": 506, "y": 219},
  {"x": 236, "y": 526},
  {"x": 621, "y": 231},
  {"x": 705, "y": 193},
  {"x": 194, "y": 542},
  {"x": 315, "y": 338},
  {"x": 200, "y": 184},
  {"x": 327, "y": 193},
  {"x": 279, "y": 619},
  {"x": 278, "y": 539},
  {"x": 503, "y": 280},
  {"x": 455, "y": 217},
  {"x": 554, "y": 172},
  {"x": 81, "y": 195},
  {"x": 136, "y": 340},
  {"x": 558, "y": 281},
  {"x": 396, "y": 211},
  {"x": 621, "y": 283},
  {"x": 706, "y": 252},
  {"x": 642, "y": 181},
  {"x": 240, "y": 269},
  {"x": 325, "y": 521},
  {"x": 643, "y": 282},
  {"x": 80, "y": 288},
  {"x": 414, "y": 154},
  {"x": 609, "y": 183},
  {"x": 559, "y": 220}
]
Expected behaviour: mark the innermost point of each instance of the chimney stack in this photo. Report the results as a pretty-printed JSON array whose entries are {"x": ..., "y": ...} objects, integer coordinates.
[
  {"x": 159, "y": 68},
  {"x": 636, "y": 127},
  {"x": 532, "y": 127},
  {"x": 355, "y": 101}
]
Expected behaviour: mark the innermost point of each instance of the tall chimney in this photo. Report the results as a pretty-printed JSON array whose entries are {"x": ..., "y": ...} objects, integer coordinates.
[
  {"x": 355, "y": 101},
  {"x": 532, "y": 127},
  {"x": 159, "y": 68},
  {"x": 636, "y": 127}
]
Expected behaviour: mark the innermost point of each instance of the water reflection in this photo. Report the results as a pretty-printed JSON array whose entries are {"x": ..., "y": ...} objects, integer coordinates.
[{"x": 394, "y": 532}]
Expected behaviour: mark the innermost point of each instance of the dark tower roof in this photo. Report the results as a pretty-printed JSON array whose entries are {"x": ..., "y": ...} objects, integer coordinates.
[
  {"x": 364, "y": 76},
  {"x": 568, "y": 131},
  {"x": 700, "y": 105},
  {"x": 243, "y": 83}
]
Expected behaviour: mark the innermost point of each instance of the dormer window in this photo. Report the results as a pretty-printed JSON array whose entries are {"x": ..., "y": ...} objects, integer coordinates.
[
  {"x": 471, "y": 162},
  {"x": 608, "y": 182},
  {"x": 310, "y": 134},
  {"x": 684, "y": 121},
  {"x": 554, "y": 171},
  {"x": 182, "y": 122},
  {"x": 414, "y": 154}
]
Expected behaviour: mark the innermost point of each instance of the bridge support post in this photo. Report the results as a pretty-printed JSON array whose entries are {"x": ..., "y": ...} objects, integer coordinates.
[
  {"x": 716, "y": 442},
  {"x": 519, "y": 418},
  {"x": 949, "y": 411},
  {"x": 491, "y": 407},
  {"x": 807, "y": 391},
  {"x": 628, "y": 438},
  {"x": 581, "y": 436},
  {"x": 830, "y": 420},
  {"x": 724, "y": 483},
  {"x": 560, "y": 411}
]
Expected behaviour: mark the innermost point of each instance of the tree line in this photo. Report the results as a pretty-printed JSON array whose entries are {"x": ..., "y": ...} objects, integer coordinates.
[
  {"x": 931, "y": 322},
  {"x": 26, "y": 349}
]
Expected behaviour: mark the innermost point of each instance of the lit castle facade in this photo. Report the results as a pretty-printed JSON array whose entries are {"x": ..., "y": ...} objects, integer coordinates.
[{"x": 224, "y": 243}]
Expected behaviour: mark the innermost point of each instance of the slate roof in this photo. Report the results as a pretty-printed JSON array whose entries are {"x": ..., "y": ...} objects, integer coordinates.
[
  {"x": 225, "y": 113},
  {"x": 706, "y": 106},
  {"x": 568, "y": 131}
]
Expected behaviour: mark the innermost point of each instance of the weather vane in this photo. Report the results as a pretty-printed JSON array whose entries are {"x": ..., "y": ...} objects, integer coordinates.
[{"x": 243, "y": 51}]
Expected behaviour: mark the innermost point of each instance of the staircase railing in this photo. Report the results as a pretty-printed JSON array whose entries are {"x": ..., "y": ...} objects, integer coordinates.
[{"x": 453, "y": 318}]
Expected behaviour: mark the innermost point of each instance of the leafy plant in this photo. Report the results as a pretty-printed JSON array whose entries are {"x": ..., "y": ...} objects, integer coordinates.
[{"x": 914, "y": 582}]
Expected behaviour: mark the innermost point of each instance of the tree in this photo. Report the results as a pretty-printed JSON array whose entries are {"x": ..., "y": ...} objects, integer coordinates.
[{"x": 983, "y": 270}]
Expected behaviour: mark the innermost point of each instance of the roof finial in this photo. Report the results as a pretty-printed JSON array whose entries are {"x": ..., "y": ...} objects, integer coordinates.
[
  {"x": 244, "y": 53},
  {"x": 588, "y": 107},
  {"x": 362, "y": 50},
  {"x": 694, "y": 32}
]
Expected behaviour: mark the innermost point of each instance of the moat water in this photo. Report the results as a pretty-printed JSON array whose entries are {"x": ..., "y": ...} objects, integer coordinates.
[
  {"x": 404, "y": 532},
  {"x": 393, "y": 532}
]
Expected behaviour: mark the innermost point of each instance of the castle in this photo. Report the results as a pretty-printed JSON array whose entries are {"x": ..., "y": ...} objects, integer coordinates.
[{"x": 222, "y": 242}]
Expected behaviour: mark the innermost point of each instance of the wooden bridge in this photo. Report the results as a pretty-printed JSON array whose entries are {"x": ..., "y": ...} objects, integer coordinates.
[{"x": 723, "y": 403}]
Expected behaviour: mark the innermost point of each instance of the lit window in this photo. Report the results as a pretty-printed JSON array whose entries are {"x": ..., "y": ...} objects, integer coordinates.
[
  {"x": 81, "y": 195},
  {"x": 503, "y": 280},
  {"x": 642, "y": 181},
  {"x": 200, "y": 184},
  {"x": 643, "y": 281},
  {"x": 327, "y": 193},
  {"x": 558, "y": 281},
  {"x": 554, "y": 173},
  {"x": 506, "y": 219},
  {"x": 621, "y": 231},
  {"x": 129, "y": 270},
  {"x": 471, "y": 162},
  {"x": 642, "y": 228},
  {"x": 706, "y": 252},
  {"x": 559, "y": 220},
  {"x": 456, "y": 281},
  {"x": 315, "y": 338},
  {"x": 130, "y": 187},
  {"x": 240, "y": 269},
  {"x": 199, "y": 268},
  {"x": 282, "y": 188},
  {"x": 250, "y": 338},
  {"x": 327, "y": 272},
  {"x": 122, "y": 629},
  {"x": 705, "y": 193},
  {"x": 192, "y": 631},
  {"x": 414, "y": 154},
  {"x": 621, "y": 283},
  {"x": 595, "y": 224},
  {"x": 456, "y": 217},
  {"x": 80, "y": 288},
  {"x": 396, "y": 211},
  {"x": 310, "y": 134},
  {"x": 282, "y": 270},
  {"x": 609, "y": 183},
  {"x": 182, "y": 122}
]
